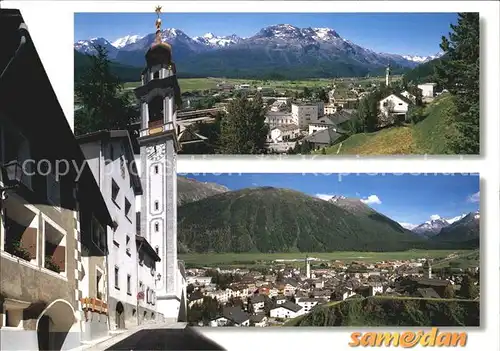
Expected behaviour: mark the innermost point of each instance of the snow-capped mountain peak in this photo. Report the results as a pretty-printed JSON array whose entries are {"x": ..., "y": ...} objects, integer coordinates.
[
  {"x": 210, "y": 39},
  {"x": 433, "y": 226},
  {"x": 173, "y": 32},
  {"x": 423, "y": 59},
  {"x": 325, "y": 33},
  {"x": 87, "y": 47},
  {"x": 457, "y": 218},
  {"x": 126, "y": 40}
]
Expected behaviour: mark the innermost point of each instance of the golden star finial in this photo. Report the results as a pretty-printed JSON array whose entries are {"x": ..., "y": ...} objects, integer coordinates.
[{"x": 158, "y": 25}]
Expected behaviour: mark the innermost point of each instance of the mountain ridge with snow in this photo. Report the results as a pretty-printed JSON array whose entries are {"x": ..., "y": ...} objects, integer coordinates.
[
  {"x": 281, "y": 49},
  {"x": 284, "y": 31}
]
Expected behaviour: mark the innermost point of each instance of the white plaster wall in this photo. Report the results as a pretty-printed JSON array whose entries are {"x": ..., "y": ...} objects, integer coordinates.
[
  {"x": 304, "y": 114},
  {"x": 117, "y": 240},
  {"x": 92, "y": 154},
  {"x": 399, "y": 105},
  {"x": 427, "y": 90},
  {"x": 97, "y": 153},
  {"x": 282, "y": 312}
]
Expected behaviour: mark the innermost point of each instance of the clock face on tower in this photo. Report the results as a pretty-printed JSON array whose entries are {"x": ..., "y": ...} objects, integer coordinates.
[{"x": 156, "y": 152}]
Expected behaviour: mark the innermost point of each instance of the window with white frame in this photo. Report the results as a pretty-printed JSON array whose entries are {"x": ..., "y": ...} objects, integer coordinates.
[
  {"x": 117, "y": 277},
  {"x": 129, "y": 284},
  {"x": 128, "y": 206},
  {"x": 115, "y": 189},
  {"x": 54, "y": 247},
  {"x": 98, "y": 235}
]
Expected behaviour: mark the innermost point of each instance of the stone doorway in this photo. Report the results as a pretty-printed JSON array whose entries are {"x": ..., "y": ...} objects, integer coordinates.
[{"x": 120, "y": 316}]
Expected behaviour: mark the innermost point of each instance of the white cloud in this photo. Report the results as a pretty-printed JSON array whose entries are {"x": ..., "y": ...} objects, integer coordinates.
[
  {"x": 372, "y": 199},
  {"x": 325, "y": 197},
  {"x": 434, "y": 217},
  {"x": 473, "y": 198},
  {"x": 408, "y": 226}
]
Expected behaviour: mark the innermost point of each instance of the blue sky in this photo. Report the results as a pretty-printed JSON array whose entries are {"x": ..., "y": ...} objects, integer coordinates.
[
  {"x": 406, "y": 198},
  {"x": 400, "y": 33}
]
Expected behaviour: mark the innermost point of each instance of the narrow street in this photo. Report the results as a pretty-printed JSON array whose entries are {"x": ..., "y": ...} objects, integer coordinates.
[{"x": 166, "y": 339}]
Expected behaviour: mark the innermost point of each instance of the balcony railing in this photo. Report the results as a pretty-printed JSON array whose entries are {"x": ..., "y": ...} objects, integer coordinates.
[{"x": 92, "y": 304}]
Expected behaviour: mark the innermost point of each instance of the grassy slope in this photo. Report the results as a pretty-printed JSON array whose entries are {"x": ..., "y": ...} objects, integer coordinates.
[
  {"x": 430, "y": 134},
  {"x": 425, "y": 137},
  {"x": 393, "y": 311}
]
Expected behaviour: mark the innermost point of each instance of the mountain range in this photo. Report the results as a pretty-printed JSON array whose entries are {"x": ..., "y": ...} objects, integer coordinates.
[
  {"x": 267, "y": 219},
  {"x": 280, "y": 49}
]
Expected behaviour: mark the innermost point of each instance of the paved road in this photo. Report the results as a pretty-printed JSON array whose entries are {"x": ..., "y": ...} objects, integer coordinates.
[{"x": 166, "y": 339}]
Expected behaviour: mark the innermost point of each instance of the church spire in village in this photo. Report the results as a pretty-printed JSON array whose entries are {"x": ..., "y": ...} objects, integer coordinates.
[
  {"x": 387, "y": 75},
  {"x": 158, "y": 25}
]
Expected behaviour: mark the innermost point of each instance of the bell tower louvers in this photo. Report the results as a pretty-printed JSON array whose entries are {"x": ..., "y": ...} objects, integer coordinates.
[{"x": 159, "y": 97}]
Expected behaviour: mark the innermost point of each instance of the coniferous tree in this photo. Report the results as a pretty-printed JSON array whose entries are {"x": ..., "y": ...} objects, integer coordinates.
[
  {"x": 449, "y": 293},
  {"x": 459, "y": 73},
  {"x": 100, "y": 93},
  {"x": 243, "y": 129},
  {"x": 467, "y": 289}
]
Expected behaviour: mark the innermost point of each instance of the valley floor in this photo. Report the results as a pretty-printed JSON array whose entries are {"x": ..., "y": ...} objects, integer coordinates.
[{"x": 246, "y": 259}]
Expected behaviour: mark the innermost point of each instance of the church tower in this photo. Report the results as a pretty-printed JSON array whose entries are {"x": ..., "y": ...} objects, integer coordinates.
[
  {"x": 308, "y": 268},
  {"x": 159, "y": 97},
  {"x": 387, "y": 75},
  {"x": 428, "y": 269}
]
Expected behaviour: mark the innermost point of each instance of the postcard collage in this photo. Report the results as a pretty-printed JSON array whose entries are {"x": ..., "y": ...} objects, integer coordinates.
[{"x": 190, "y": 166}]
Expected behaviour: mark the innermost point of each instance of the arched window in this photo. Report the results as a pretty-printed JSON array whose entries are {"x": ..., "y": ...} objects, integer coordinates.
[
  {"x": 156, "y": 109},
  {"x": 157, "y": 227},
  {"x": 157, "y": 205}
]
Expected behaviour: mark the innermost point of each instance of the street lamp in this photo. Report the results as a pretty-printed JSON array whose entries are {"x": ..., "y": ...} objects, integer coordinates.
[{"x": 12, "y": 173}]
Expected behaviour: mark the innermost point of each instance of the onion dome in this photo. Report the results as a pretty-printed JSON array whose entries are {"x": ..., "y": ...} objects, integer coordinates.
[{"x": 160, "y": 53}]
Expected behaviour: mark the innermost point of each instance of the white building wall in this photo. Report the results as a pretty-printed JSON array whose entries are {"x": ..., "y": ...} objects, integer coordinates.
[
  {"x": 281, "y": 312},
  {"x": 427, "y": 90},
  {"x": 276, "y": 135},
  {"x": 329, "y": 109},
  {"x": 306, "y": 305},
  {"x": 399, "y": 106},
  {"x": 303, "y": 115},
  {"x": 197, "y": 280},
  {"x": 147, "y": 283},
  {"x": 108, "y": 163},
  {"x": 121, "y": 243}
]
